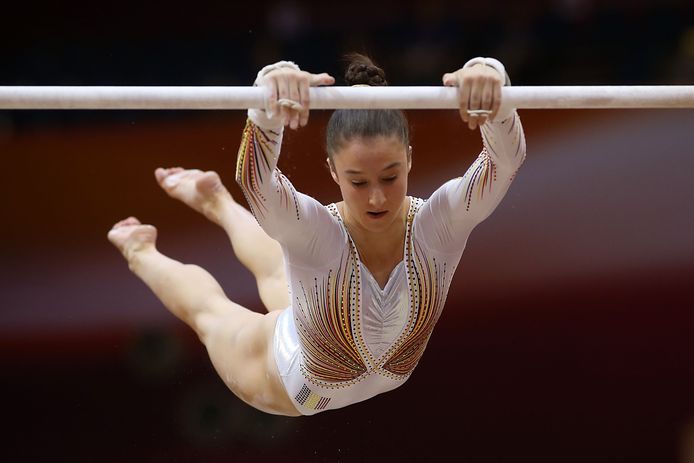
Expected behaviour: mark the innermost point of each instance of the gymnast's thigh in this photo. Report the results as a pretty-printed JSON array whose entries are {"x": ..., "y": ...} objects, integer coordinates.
[{"x": 240, "y": 348}]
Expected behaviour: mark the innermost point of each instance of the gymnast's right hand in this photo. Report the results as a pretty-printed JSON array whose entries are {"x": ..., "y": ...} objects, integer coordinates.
[{"x": 288, "y": 95}]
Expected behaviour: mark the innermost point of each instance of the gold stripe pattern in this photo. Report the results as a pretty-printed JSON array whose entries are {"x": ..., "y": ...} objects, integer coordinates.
[
  {"x": 326, "y": 319},
  {"x": 428, "y": 282},
  {"x": 482, "y": 176},
  {"x": 254, "y": 163},
  {"x": 329, "y": 324},
  {"x": 483, "y": 173}
]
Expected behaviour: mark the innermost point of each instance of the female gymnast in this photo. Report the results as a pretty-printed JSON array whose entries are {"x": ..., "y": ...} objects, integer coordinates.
[{"x": 353, "y": 289}]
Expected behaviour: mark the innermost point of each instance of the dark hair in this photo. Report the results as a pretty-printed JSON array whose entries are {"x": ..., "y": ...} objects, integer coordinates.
[{"x": 347, "y": 124}]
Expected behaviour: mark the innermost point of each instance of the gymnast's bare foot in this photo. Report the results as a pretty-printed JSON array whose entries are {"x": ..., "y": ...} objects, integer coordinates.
[
  {"x": 131, "y": 237},
  {"x": 203, "y": 191}
]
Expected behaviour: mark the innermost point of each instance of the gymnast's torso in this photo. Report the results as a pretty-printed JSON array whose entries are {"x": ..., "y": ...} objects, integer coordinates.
[{"x": 345, "y": 339}]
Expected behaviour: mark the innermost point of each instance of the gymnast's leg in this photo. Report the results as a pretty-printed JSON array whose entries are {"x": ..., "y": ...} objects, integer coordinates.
[
  {"x": 238, "y": 340},
  {"x": 204, "y": 192}
]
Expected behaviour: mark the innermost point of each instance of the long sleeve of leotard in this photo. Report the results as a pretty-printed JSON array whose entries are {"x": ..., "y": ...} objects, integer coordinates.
[
  {"x": 459, "y": 205},
  {"x": 302, "y": 225}
]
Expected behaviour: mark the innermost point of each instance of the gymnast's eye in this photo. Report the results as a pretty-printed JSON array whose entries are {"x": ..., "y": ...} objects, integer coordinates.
[
  {"x": 390, "y": 179},
  {"x": 357, "y": 183}
]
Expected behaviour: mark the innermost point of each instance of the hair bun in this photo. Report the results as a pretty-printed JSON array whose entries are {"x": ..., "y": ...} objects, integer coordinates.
[{"x": 362, "y": 71}]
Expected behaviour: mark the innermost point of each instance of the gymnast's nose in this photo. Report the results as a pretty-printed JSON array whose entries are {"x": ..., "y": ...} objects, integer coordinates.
[{"x": 376, "y": 198}]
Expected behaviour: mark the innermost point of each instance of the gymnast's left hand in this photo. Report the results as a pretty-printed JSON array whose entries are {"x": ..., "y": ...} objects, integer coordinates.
[
  {"x": 479, "y": 92},
  {"x": 288, "y": 93}
]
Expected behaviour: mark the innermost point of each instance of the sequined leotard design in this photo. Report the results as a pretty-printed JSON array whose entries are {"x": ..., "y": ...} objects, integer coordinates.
[{"x": 345, "y": 339}]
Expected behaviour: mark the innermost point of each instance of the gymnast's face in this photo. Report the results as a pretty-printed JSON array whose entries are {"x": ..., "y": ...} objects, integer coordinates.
[{"x": 372, "y": 175}]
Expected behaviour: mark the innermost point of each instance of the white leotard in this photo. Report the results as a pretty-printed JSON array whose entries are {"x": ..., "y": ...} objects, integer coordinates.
[{"x": 344, "y": 339}]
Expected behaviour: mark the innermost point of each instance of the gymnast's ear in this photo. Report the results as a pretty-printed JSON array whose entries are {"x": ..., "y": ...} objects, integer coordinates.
[
  {"x": 333, "y": 174},
  {"x": 409, "y": 158}
]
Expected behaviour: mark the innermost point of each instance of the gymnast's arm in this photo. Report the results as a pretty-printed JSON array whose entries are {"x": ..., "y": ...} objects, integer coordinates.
[
  {"x": 300, "y": 223},
  {"x": 454, "y": 209}
]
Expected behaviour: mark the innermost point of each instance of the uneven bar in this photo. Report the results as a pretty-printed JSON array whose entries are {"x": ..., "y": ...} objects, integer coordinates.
[{"x": 216, "y": 98}]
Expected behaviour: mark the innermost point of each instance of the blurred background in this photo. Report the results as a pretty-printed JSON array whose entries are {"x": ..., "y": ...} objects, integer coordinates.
[{"x": 568, "y": 332}]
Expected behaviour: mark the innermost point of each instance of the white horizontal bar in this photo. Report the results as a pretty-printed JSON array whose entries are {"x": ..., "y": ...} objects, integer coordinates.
[{"x": 51, "y": 97}]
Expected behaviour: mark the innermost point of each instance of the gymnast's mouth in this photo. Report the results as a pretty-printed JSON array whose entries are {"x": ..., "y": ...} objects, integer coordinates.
[{"x": 376, "y": 215}]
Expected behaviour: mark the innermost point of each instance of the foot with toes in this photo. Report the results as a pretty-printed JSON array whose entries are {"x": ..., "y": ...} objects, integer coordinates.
[
  {"x": 130, "y": 236},
  {"x": 202, "y": 191}
]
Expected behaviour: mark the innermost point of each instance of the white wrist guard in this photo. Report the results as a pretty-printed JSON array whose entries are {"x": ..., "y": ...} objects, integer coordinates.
[
  {"x": 492, "y": 63},
  {"x": 271, "y": 67}
]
